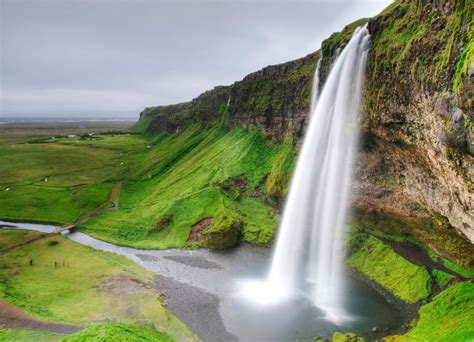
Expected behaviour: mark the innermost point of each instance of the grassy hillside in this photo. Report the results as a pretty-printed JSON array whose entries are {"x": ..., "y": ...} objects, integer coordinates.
[
  {"x": 169, "y": 183},
  {"x": 448, "y": 316},
  {"x": 182, "y": 179}
]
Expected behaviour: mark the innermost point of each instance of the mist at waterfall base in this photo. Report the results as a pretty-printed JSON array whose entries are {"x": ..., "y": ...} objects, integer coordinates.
[{"x": 308, "y": 260}]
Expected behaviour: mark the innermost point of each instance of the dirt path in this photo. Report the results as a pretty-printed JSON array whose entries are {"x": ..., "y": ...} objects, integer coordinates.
[
  {"x": 113, "y": 199},
  {"x": 14, "y": 317},
  {"x": 114, "y": 195},
  {"x": 24, "y": 243}
]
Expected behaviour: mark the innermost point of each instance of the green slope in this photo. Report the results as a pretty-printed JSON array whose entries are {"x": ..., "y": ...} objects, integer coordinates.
[{"x": 183, "y": 178}]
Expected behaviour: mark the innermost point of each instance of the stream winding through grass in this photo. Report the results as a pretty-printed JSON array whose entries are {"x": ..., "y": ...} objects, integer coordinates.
[{"x": 202, "y": 289}]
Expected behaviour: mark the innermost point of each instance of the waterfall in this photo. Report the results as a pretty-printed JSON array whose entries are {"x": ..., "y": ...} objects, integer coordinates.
[
  {"x": 308, "y": 257},
  {"x": 315, "y": 90}
]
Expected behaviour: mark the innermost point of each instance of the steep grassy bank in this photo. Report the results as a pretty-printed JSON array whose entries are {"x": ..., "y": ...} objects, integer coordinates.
[
  {"x": 448, "y": 317},
  {"x": 225, "y": 176},
  {"x": 380, "y": 263},
  {"x": 440, "y": 291}
]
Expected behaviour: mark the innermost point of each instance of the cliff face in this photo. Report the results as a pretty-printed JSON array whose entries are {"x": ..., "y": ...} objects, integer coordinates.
[
  {"x": 415, "y": 169},
  {"x": 207, "y": 108},
  {"x": 417, "y": 161},
  {"x": 274, "y": 100}
]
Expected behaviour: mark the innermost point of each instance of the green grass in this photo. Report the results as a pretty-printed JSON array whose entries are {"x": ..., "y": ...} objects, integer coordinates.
[
  {"x": 141, "y": 126},
  {"x": 51, "y": 204},
  {"x": 182, "y": 176},
  {"x": 59, "y": 180},
  {"x": 467, "y": 273},
  {"x": 13, "y": 335},
  {"x": 448, "y": 317},
  {"x": 377, "y": 261},
  {"x": 76, "y": 284},
  {"x": 453, "y": 266},
  {"x": 344, "y": 337},
  {"x": 64, "y": 165},
  {"x": 442, "y": 278},
  {"x": 54, "y": 182},
  {"x": 12, "y": 237},
  {"x": 186, "y": 176},
  {"x": 118, "y": 332},
  {"x": 117, "y": 142},
  {"x": 283, "y": 163}
]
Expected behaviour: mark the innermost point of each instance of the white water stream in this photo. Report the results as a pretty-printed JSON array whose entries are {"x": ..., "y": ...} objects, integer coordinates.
[{"x": 308, "y": 257}]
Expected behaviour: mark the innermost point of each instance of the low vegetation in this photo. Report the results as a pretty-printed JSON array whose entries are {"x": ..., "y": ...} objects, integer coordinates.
[
  {"x": 219, "y": 173},
  {"x": 448, "y": 317},
  {"x": 442, "y": 278},
  {"x": 70, "y": 283},
  {"x": 10, "y": 335},
  {"x": 60, "y": 180},
  {"x": 13, "y": 237},
  {"x": 377, "y": 261},
  {"x": 118, "y": 332}
]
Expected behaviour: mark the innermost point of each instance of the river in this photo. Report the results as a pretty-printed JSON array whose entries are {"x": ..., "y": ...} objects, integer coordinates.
[{"x": 204, "y": 289}]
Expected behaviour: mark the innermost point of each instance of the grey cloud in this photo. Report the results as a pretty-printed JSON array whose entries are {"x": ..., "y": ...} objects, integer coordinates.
[{"x": 94, "y": 57}]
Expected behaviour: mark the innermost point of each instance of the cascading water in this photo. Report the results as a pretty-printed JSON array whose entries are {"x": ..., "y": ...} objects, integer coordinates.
[
  {"x": 315, "y": 90},
  {"x": 308, "y": 257}
]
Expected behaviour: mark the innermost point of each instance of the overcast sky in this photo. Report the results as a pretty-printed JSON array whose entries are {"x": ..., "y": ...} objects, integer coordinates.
[{"x": 109, "y": 58}]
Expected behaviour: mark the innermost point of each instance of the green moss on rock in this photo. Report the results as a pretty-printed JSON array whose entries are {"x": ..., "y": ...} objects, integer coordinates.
[
  {"x": 435, "y": 232},
  {"x": 224, "y": 233},
  {"x": 442, "y": 278},
  {"x": 377, "y": 261},
  {"x": 448, "y": 317},
  {"x": 278, "y": 179},
  {"x": 345, "y": 337}
]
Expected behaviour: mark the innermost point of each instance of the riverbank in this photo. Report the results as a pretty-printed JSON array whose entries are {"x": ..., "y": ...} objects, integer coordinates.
[{"x": 202, "y": 289}]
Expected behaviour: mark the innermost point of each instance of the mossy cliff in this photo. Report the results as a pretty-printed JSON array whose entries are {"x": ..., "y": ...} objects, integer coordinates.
[
  {"x": 414, "y": 172},
  {"x": 416, "y": 165},
  {"x": 274, "y": 100}
]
